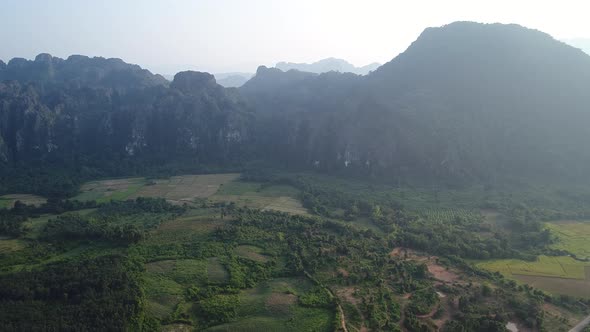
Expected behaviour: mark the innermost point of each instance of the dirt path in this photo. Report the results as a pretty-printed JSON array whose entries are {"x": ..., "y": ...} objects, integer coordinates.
[
  {"x": 580, "y": 327},
  {"x": 346, "y": 294},
  {"x": 342, "y": 319},
  {"x": 340, "y": 310}
]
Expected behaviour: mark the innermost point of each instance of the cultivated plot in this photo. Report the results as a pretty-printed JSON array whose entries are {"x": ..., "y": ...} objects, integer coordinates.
[
  {"x": 106, "y": 190},
  {"x": 186, "y": 188},
  {"x": 7, "y": 201},
  {"x": 572, "y": 236},
  {"x": 558, "y": 275},
  {"x": 176, "y": 189},
  {"x": 544, "y": 266},
  {"x": 256, "y": 195}
]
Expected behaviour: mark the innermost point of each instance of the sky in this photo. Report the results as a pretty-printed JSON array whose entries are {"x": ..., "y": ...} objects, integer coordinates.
[{"x": 239, "y": 35}]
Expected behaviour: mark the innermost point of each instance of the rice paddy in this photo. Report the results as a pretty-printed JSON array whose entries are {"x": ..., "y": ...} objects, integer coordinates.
[
  {"x": 572, "y": 236},
  {"x": 544, "y": 266}
]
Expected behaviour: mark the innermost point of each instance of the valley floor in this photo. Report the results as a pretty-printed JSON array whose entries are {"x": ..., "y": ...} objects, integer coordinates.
[{"x": 303, "y": 253}]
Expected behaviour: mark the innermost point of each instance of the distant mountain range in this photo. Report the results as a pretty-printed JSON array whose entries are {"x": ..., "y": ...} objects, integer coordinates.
[
  {"x": 466, "y": 101},
  {"x": 230, "y": 80},
  {"x": 327, "y": 65},
  {"x": 237, "y": 79}
]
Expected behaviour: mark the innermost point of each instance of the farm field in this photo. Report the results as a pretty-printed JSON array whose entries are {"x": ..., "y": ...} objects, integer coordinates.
[
  {"x": 185, "y": 188},
  {"x": 255, "y": 195},
  {"x": 9, "y": 245},
  {"x": 572, "y": 287},
  {"x": 176, "y": 189},
  {"x": 7, "y": 201},
  {"x": 544, "y": 266},
  {"x": 572, "y": 236},
  {"x": 194, "y": 188},
  {"x": 272, "y": 306},
  {"x": 252, "y": 252},
  {"x": 557, "y": 275},
  {"x": 106, "y": 190},
  {"x": 448, "y": 215},
  {"x": 204, "y": 266}
]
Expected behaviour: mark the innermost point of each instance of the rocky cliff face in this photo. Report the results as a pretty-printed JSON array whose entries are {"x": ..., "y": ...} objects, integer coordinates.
[
  {"x": 466, "y": 100},
  {"x": 47, "y": 114}
]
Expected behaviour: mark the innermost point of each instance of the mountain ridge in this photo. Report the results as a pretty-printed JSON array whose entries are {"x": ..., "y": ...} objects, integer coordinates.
[
  {"x": 327, "y": 65},
  {"x": 467, "y": 101}
]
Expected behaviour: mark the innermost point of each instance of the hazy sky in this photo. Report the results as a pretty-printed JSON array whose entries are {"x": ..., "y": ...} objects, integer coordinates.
[{"x": 238, "y": 35}]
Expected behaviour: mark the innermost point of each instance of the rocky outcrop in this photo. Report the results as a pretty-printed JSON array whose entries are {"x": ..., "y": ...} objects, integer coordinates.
[
  {"x": 79, "y": 71},
  {"x": 193, "y": 82}
]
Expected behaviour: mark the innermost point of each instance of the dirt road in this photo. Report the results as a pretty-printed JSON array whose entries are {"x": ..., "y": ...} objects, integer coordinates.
[{"x": 580, "y": 327}]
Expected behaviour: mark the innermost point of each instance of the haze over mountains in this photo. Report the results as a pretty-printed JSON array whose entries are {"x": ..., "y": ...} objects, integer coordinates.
[
  {"x": 327, "y": 65},
  {"x": 466, "y": 101},
  {"x": 230, "y": 80}
]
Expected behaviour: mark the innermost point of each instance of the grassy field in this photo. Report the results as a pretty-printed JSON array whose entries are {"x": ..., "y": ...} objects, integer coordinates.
[
  {"x": 216, "y": 272},
  {"x": 252, "y": 252},
  {"x": 106, "y": 190},
  {"x": 7, "y": 201},
  {"x": 186, "y": 188},
  {"x": 572, "y": 287},
  {"x": 193, "y": 188},
  {"x": 35, "y": 225},
  {"x": 573, "y": 236},
  {"x": 10, "y": 245},
  {"x": 272, "y": 306},
  {"x": 557, "y": 275},
  {"x": 177, "y": 189},
  {"x": 544, "y": 266},
  {"x": 255, "y": 195},
  {"x": 166, "y": 281}
]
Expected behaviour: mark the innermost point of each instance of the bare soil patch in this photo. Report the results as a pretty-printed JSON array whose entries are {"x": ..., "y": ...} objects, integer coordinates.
[
  {"x": 343, "y": 272},
  {"x": 396, "y": 252},
  {"x": 441, "y": 273}
]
